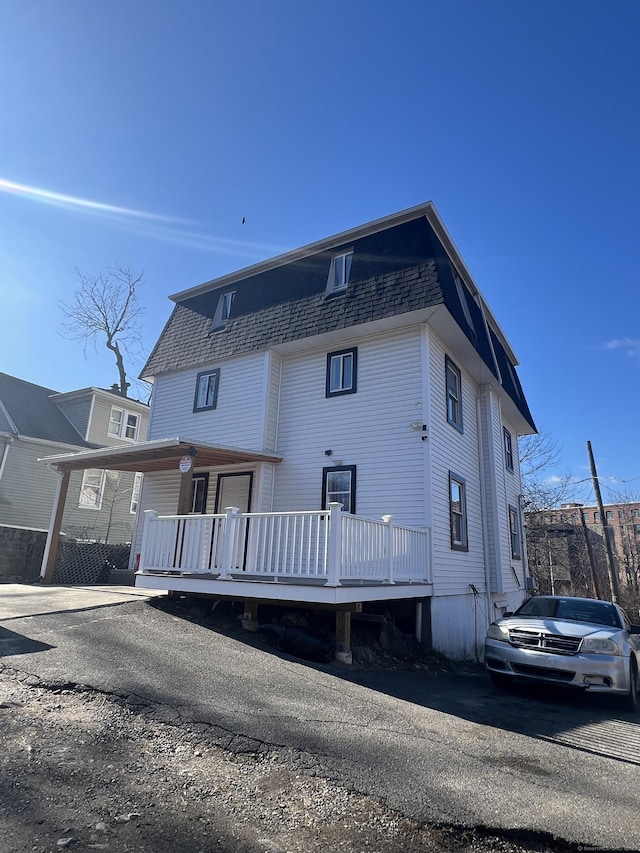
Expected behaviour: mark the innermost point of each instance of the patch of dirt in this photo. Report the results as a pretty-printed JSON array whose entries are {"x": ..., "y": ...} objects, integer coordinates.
[
  {"x": 84, "y": 771},
  {"x": 376, "y": 642}
]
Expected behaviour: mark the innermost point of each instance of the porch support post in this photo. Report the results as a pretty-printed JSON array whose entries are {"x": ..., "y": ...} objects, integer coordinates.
[
  {"x": 53, "y": 535},
  {"x": 334, "y": 555},
  {"x": 343, "y": 636},
  {"x": 250, "y": 617},
  {"x": 229, "y": 542},
  {"x": 388, "y": 549}
]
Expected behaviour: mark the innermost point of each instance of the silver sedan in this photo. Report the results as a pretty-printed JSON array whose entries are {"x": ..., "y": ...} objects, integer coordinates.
[{"x": 578, "y": 642}]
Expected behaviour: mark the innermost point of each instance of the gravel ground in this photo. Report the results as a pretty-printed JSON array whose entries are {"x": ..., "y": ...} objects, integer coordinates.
[{"x": 85, "y": 771}]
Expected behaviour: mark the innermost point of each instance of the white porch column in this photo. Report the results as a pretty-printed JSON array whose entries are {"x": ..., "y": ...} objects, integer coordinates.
[
  {"x": 334, "y": 555},
  {"x": 229, "y": 542},
  {"x": 388, "y": 548}
]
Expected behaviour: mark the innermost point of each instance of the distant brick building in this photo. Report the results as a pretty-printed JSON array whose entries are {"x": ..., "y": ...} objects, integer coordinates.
[{"x": 557, "y": 547}]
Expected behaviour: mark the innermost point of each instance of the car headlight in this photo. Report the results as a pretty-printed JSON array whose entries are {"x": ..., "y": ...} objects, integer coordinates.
[
  {"x": 497, "y": 632},
  {"x": 602, "y": 646}
]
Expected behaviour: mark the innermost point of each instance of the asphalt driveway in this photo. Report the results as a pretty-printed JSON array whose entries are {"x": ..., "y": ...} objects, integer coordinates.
[{"x": 444, "y": 748}]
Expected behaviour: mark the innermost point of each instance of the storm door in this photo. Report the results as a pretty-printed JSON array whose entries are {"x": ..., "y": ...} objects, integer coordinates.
[{"x": 235, "y": 490}]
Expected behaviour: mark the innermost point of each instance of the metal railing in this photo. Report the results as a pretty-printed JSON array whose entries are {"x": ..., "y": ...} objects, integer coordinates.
[{"x": 315, "y": 545}]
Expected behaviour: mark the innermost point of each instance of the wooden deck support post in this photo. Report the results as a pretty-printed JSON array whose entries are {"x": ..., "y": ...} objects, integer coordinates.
[
  {"x": 51, "y": 548},
  {"x": 343, "y": 636},
  {"x": 250, "y": 617}
]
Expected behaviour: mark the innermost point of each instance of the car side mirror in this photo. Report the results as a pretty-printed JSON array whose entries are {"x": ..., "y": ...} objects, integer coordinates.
[
  {"x": 507, "y": 613},
  {"x": 634, "y": 629}
]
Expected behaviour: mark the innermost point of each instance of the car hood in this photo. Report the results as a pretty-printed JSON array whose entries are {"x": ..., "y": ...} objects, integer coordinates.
[{"x": 562, "y": 627}]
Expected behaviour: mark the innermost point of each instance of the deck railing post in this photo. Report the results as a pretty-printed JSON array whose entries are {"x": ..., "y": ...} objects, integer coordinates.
[
  {"x": 388, "y": 548},
  {"x": 150, "y": 515},
  {"x": 229, "y": 542},
  {"x": 334, "y": 555}
]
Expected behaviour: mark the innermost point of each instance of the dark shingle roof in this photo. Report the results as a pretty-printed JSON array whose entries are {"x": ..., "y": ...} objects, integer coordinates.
[
  {"x": 398, "y": 267},
  {"x": 34, "y": 414}
]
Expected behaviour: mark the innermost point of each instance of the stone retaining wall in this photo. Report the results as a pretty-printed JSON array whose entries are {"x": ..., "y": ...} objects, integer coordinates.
[{"x": 21, "y": 553}]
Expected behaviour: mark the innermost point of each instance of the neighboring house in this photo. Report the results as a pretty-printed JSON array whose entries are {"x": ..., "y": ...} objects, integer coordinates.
[
  {"x": 36, "y": 422},
  {"x": 357, "y": 405}
]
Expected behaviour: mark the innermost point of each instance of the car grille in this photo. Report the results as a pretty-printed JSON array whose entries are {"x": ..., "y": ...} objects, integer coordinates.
[
  {"x": 543, "y": 672},
  {"x": 556, "y": 643}
]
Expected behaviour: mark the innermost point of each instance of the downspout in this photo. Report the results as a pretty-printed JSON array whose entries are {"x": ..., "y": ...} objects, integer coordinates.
[
  {"x": 485, "y": 526},
  {"x": 5, "y": 453}
]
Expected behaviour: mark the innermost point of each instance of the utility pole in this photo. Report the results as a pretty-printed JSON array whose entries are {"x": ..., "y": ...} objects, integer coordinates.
[
  {"x": 613, "y": 580},
  {"x": 592, "y": 563}
]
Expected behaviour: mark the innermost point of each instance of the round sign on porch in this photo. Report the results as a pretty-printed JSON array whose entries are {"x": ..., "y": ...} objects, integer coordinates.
[{"x": 185, "y": 464}]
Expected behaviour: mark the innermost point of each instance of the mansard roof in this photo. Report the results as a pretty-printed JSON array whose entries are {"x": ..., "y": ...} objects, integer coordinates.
[{"x": 402, "y": 264}]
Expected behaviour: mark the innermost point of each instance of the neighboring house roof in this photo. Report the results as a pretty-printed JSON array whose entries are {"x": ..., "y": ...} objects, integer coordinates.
[
  {"x": 402, "y": 263},
  {"x": 34, "y": 415}
]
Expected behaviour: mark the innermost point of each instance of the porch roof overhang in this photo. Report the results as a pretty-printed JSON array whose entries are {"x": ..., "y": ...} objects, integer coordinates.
[{"x": 160, "y": 455}]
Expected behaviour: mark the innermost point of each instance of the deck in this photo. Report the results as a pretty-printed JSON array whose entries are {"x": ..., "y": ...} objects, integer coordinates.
[{"x": 322, "y": 556}]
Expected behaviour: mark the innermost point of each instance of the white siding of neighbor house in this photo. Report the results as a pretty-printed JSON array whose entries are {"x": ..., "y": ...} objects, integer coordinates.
[
  {"x": 457, "y": 452},
  {"x": 99, "y": 426},
  {"x": 369, "y": 429},
  {"x": 113, "y": 520},
  {"x": 27, "y": 487},
  {"x": 77, "y": 411},
  {"x": 237, "y": 420}
]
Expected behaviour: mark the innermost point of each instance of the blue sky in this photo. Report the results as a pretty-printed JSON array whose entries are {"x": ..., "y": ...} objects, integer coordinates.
[{"x": 519, "y": 120}]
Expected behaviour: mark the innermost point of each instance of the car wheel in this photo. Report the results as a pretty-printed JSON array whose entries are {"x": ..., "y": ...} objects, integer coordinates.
[
  {"x": 631, "y": 699},
  {"x": 504, "y": 682}
]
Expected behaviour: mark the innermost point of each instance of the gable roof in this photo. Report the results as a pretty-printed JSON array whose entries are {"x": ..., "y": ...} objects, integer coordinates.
[
  {"x": 32, "y": 414},
  {"x": 404, "y": 263}
]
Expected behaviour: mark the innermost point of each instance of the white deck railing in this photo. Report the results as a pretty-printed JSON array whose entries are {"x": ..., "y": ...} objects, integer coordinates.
[{"x": 325, "y": 545}]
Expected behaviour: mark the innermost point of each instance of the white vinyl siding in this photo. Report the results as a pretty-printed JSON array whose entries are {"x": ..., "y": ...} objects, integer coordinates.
[
  {"x": 237, "y": 420},
  {"x": 454, "y": 451},
  {"x": 370, "y": 429},
  {"x": 101, "y": 417}
]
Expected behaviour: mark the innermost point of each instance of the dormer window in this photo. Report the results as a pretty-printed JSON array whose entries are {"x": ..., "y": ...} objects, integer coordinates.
[
  {"x": 339, "y": 273},
  {"x": 123, "y": 424},
  {"x": 223, "y": 310}
]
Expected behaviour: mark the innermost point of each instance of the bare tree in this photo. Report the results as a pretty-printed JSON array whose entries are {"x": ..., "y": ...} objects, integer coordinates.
[
  {"x": 542, "y": 489},
  {"x": 106, "y": 305}
]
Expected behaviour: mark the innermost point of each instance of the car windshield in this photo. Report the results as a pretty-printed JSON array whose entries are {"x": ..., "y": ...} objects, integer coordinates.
[{"x": 574, "y": 609}]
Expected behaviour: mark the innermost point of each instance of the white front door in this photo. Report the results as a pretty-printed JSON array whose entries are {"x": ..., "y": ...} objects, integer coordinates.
[{"x": 234, "y": 490}]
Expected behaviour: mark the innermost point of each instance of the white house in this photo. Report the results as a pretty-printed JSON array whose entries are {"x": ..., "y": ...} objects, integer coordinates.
[{"x": 347, "y": 418}]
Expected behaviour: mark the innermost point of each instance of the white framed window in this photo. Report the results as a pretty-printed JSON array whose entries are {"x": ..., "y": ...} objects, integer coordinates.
[
  {"x": 91, "y": 489},
  {"x": 223, "y": 310},
  {"x": 123, "y": 424},
  {"x": 339, "y": 485},
  {"x": 458, "y": 512},
  {"x": 514, "y": 533},
  {"x": 206, "y": 397},
  {"x": 135, "y": 493},
  {"x": 454, "y": 394},
  {"x": 508, "y": 449},
  {"x": 339, "y": 272},
  {"x": 341, "y": 372}
]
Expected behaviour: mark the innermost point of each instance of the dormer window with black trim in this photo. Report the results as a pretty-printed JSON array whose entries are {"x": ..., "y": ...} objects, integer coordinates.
[
  {"x": 223, "y": 310},
  {"x": 339, "y": 273}
]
